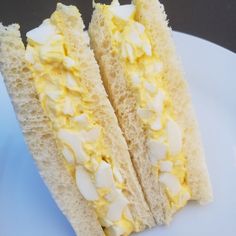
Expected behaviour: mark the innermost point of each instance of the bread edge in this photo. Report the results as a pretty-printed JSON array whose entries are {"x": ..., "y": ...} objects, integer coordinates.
[{"x": 197, "y": 171}]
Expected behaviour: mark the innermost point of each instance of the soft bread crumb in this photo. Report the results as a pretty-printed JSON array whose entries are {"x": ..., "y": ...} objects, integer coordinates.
[{"x": 38, "y": 134}]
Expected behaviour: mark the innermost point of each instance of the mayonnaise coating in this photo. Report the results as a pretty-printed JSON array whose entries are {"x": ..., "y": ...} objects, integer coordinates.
[
  {"x": 145, "y": 76},
  {"x": 66, "y": 100}
]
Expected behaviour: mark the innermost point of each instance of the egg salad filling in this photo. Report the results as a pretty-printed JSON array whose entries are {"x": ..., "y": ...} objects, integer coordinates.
[
  {"x": 145, "y": 76},
  {"x": 67, "y": 101}
]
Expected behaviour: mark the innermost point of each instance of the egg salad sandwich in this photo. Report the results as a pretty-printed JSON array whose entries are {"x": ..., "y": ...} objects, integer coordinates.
[
  {"x": 146, "y": 86},
  {"x": 70, "y": 126}
]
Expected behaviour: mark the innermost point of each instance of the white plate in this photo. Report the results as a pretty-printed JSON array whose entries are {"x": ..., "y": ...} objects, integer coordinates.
[{"x": 26, "y": 207}]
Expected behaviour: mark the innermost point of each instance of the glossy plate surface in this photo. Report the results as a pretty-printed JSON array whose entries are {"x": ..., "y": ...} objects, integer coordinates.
[{"x": 26, "y": 207}]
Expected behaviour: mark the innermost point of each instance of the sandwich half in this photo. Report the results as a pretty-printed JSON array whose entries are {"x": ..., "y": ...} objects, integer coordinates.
[
  {"x": 146, "y": 86},
  {"x": 70, "y": 126}
]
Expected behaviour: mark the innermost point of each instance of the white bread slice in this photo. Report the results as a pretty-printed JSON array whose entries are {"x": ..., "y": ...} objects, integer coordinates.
[
  {"x": 151, "y": 14},
  {"x": 38, "y": 132}
]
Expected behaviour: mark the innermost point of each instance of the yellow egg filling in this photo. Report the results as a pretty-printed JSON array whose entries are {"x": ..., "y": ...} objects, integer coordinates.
[
  {"x": 66, "y": 99},
  {"x": 145, "y": 76}
]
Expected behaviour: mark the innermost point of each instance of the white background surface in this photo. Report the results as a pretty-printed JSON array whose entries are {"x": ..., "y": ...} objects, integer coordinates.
[{"x": 26, "y": 207}]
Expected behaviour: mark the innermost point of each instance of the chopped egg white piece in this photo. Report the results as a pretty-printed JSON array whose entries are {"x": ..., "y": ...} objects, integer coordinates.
[
  {"x": 157, "y": 151},
  {"x": 105, "y": 222},
  {"x": 156, "y": 125},
  {"x": 148, "y": 49},
  {"x": 171, "y": 182},
  {"x": 68, "y": 155},
  {"x": 184, "y": 197},
  {"x": 166, "y": 166},
  {"x": 174, "y": 137},
  {"x": 122, "y": 11},
  {"x": 93, "y": 134},
  {"x": 85, "y": 184},
  {"x": 139, "y": 27},
  {"x": 50, "y": 53},
  {"x": 158, "y": 102},
  {"x": 68, "y": 62},
  {"x": 29, "y": 55},
  {"x": 70, "y": 82},
  {"x": 117, "y": 175},
  {"x": 68, "y": 107},
  {"x": 136, "y": 79},
  {"x": 115, "y": 231},
  {"x": 38, "y": 67},
  {"x": 150, "y": 87},
  {"x": 144, "y": 113},
  {"x": 153, "y": 68},
  {"x": 112, "y": 195},
  {"x": 82, "y": 120},
  {"x": 116, "y": 208},
  {"x": 127, "y": 52},
  {"x": 86, "y": 37},
  {"x": 94, "y": 164},
  {"x": 128, "y": 214},
  {"x": 115, "y": 3},
  {"x": 74, "y": 140},
  {"x": 42, "y": 33},
  {"x": 134, "y": 37},
  {"x": 158, "y": 67},
  {"x": 104, "y": 177},
  {"x": 53, "y": 93}
]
